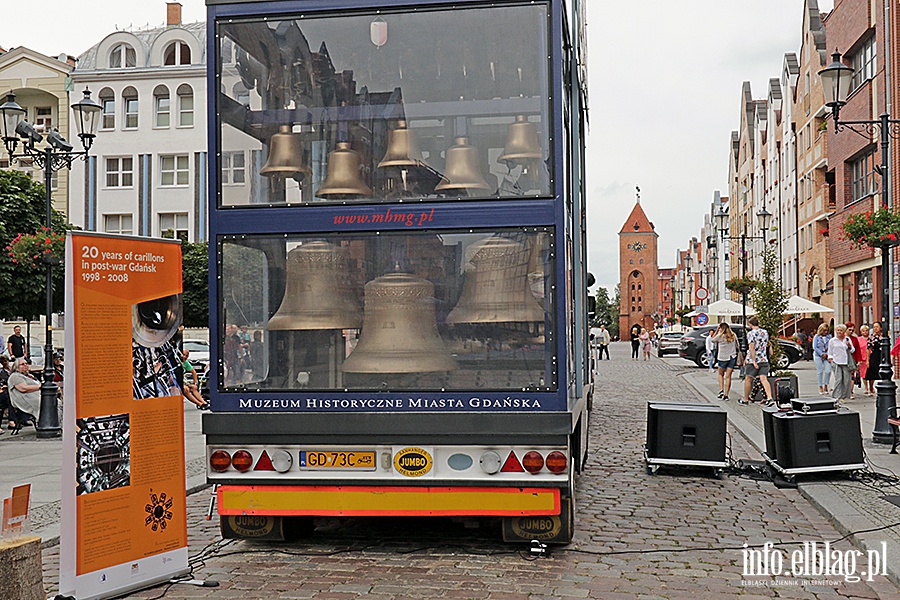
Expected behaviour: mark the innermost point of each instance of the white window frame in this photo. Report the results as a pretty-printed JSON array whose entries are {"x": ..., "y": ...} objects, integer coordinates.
[
  {"x": 171, "y": 221},
  {"x": 185, "y": 107},
  {"x": 178, "y": 44},
  {"x": 108, "y": 218},
  {"x": 174, "y": 170},
  {"x": 120, "y": 172},
  {"x": 108, "y": 112},
  {"x": 234, "y": 175},
  {"x": 864, "y": 63},
  {"x": 119, "y": 55},
  {"x": 131, "y": 120},
  {"x": 159, "y": 111}
]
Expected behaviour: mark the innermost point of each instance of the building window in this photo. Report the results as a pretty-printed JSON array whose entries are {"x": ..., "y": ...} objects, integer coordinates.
[
  {"x": 108, "y": 102},
  {"x": 173, "y": 225},
  {"x": 162, "y": 105},
  {"x": 43, "y": 118},
  {"x": 173, "y": 169},
  {"x": 863, "y": 176},
  {"x": 233, "y": 166},
  {"x": 119, "y": 172},
  {"x": 185, "y": 106},
  {"x": 130, "y": 99},
  {"x": 121, "y": 56},
  {"x": 177, "y": 53},
  {"x": 118, "y": 224},
  {"x": 863, "y": 63}
]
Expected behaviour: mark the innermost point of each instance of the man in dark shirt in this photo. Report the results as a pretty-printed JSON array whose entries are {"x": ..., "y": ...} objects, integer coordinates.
[{"x": 16, "y": 344}]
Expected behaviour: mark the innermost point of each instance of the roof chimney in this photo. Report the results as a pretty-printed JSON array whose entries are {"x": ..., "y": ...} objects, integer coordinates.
[{"x": 173, "y": 13}]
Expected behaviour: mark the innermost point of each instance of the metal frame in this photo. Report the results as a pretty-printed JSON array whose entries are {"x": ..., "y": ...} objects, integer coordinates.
[{"x": 823, "y": 469}]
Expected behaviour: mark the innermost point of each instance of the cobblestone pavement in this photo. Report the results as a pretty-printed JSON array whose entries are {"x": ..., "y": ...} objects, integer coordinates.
[{"x": 674, "y": 535}]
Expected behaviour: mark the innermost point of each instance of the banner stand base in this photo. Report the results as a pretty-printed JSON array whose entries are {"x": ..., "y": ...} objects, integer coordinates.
[{"x": 196, "y": 582}]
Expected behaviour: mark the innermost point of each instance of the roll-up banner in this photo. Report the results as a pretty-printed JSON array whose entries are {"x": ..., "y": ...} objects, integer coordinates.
[{"x": 123, "y": 521}]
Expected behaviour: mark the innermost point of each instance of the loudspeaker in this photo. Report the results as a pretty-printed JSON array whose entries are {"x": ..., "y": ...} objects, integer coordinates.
[
  {"x": 796, "y": 441},
  {"x": 768, "y": 415},
  {"x": 690, "y": 432}
]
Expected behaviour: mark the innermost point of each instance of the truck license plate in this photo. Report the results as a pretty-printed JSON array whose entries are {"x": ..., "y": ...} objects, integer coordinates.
[{"x": 337, "y": 459}]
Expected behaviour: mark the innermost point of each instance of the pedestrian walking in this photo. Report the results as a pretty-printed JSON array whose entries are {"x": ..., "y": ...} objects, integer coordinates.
[
  {"x": 635, "y": 342},
  {"x": 820, "y": 356},
  {"x": 840, "y": 355},
  {"x": 604, "y": 342},
  {"x": 862, "y": 357},
  {"x": 726, "y": 357},
  {"x": 711, "y": 353},
  {"x": 757, "y": 361},
  {"x": 870, "y": 376},
  {"x": 646, "y": 345}
]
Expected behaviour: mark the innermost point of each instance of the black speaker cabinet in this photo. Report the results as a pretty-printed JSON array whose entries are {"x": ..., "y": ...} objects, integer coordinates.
[
  {"x": 814, "y": 441},
  {"x": 693, "y": 433}
]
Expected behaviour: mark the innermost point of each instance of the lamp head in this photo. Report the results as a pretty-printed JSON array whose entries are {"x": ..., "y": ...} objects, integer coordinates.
[
  {"x": 87, "y": 117},
  {"x": 12, "y": 113},
  {"x": 28, "y": 134},
  {"x": 764, "y": 218},
  {"x": 721, "y": 220},
  {"x": 836, "y": 79},
  {"x": 58, "y": 141}
]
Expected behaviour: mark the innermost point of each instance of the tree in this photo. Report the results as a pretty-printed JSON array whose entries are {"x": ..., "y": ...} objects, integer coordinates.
[
  {"x": 23, "y": 210},
  {"x": 607, "y": 312},
  {"x": 195, "y": 277},
  {"x": 770, "y": 300},
  {"x": 681, "y": 312}
]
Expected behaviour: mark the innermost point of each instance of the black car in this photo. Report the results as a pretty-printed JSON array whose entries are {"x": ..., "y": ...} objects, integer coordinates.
[{"x": 693, "y": 347}]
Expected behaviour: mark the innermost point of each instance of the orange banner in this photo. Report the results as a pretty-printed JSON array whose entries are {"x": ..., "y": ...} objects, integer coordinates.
[{"x": 123, "y": 408}]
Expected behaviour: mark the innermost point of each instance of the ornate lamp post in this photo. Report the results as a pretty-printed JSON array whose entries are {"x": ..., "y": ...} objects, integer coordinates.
[
  {"x": 764, "y": 219},
  {"x": 57, "y": 154},
  {"x": 836, "y": 79}
]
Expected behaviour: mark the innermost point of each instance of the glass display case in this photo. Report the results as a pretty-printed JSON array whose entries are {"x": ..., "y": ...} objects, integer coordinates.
[
  {"x": 395, "y": 105},
  {"x": 428, "y": 310}
]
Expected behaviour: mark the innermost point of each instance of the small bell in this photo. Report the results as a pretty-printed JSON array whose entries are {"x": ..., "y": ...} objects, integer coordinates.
[
  {"x": 285, "y": 155},
  {"x": 402, "y": 149},
  {"x": 462, "y": 173},
  {"x": 522, "y": 143},
  {"x": 316, "y": 295},
  {"x": 343, "y": 179},
  {"x": 399, "y": 332}
]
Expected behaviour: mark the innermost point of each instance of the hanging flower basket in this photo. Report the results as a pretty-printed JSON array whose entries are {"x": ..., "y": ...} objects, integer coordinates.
[
  {"x": 875, "y": 229},
  {"x": 37, "y": 249},
  {"x": 741, "y": 285}
]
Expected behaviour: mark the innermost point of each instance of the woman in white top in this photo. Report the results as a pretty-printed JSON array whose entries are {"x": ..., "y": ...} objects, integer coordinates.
[
  {"x": 839, "y": 349},
  {"x": 726, "y": 356}
]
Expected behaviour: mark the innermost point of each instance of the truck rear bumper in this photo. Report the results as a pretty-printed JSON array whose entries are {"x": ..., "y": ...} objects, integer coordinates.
[{"x": 368, "y": 501}]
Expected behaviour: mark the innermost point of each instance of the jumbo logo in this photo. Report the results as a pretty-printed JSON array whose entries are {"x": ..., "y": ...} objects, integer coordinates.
[
  {"x": 412, "y": 462},
  {"x": 537, "y": 528},
  {"x": 250, "y": 526}
]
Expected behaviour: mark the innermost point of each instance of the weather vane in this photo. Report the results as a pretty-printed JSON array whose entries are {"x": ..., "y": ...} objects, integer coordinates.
[{"x": 638, "y": 193}]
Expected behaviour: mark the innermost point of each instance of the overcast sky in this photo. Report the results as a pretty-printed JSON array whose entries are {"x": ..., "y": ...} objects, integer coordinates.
[{"x": 665, "y": 84}]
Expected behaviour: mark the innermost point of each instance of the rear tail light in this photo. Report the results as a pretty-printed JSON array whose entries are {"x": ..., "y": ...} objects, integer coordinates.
[
  {"x": 556, "y": 462},
  {"x": 533, "y": 462},
  {"x": 219, "y": 461},
  {"x": 242, "y": 461}
]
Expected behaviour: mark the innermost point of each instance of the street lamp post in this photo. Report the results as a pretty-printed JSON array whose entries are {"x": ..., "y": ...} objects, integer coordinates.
[
  {"x": 836, "y": 78},
  {"x": 764, "y": 219},
  {"x": 57, "y": 154}
]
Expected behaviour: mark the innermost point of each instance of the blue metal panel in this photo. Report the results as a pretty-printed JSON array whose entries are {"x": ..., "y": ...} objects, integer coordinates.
[{"x": 90, "y": 169}]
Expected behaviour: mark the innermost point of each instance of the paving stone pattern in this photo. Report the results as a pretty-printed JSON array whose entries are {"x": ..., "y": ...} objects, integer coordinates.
[{"x": 638, "y": 536}]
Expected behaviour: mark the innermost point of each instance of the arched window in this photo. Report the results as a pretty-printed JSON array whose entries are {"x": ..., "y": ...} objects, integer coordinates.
[
  {"x": 241, "y": 94},
  {"x": 631, "y": 262},
  {"x": 108, "y": 104},
  {"x": 162, "y": 105},
  {"x": 130, "y": 99},
  {"x": 177, "y": 53},
  {"x": 121, "y": 56},
  {"x": 185, "y": 106},
  {"x": 639, "y": 286}
]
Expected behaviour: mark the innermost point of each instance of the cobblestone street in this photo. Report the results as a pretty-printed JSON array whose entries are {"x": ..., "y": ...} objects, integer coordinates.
[{"x": 677, "y": 534}]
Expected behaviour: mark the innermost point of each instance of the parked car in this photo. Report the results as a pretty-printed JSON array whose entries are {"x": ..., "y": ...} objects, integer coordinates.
[
  {"x": 669, "y": 343},
  {"x": 199, "y": 354},
  {"x": 693, "y": 347}
]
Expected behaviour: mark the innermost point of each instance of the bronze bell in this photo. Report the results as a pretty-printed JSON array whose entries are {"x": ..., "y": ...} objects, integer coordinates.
[
  {"x": 343, "y": 179},
  {"x": 285, "y": 155},
  {"x": 399, "y": 332},
  {"x": 522, "y": 143},
  {"x": 316, "y": 295},
  {"x": 402, "y": 149},
  {"x": 496, "y": 288},
  {"x": 462, "y": 171}
]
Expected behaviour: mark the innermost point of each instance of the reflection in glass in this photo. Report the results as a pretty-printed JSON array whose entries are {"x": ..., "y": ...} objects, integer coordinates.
[
  {"x": 448, "y": 311},
  {"x": 401, "y": 90}
]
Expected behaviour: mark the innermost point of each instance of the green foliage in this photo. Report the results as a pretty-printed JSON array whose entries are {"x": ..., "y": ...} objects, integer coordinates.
[
  {"x": 685, "y": 321},
  {"x": 23, "y": 210},
  {"x": 876, "y": 229},
  {"x": 769, "y": 299},
  {"x": 607, "y": 312},
  {"x": 195, "y": 276},
  {"x": 741, "y": 285}
]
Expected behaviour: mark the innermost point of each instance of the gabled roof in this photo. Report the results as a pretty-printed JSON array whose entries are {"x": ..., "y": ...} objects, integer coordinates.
[
  {"x": 637, "y": 222},
  {"x": 22, "y": 53}
]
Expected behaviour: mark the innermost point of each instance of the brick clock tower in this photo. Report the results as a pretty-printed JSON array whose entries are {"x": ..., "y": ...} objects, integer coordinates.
[{"x": 638, "y": 271}]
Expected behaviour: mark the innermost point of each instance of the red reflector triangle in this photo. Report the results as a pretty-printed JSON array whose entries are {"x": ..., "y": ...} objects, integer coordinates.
[
  {"x": 512, "y": 464},
  {"x": 264, "y": 463}
]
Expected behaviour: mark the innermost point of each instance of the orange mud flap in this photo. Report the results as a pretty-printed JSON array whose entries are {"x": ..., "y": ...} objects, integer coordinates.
[{"x": 554, "y": 529}]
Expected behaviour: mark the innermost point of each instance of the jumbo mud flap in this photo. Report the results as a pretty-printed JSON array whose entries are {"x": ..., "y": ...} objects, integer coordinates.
[
  {"x": 554, "y": 529},
  {"x": 252, "y": 527}
]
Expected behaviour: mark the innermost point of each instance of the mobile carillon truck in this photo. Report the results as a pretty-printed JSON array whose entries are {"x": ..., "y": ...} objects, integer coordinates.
[{"x": 397, "y": 262}]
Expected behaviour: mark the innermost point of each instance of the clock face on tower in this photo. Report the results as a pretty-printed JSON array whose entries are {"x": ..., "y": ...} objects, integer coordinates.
[{"x": 637, "y": 246}]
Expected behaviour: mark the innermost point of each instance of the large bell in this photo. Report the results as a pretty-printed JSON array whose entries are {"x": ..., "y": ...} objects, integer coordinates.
[
  {"x": 496, "y": 288},
  {"x": 462, "y": 173},
  {"x": 316, "y": 295},
  {"x": 402, "y": 149},
  {"x": 399, "y": 332},
  {"x": 522, "y": 143},
  {"x": 343, "y": 179},
  {"x": 285, "y": 155}
]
